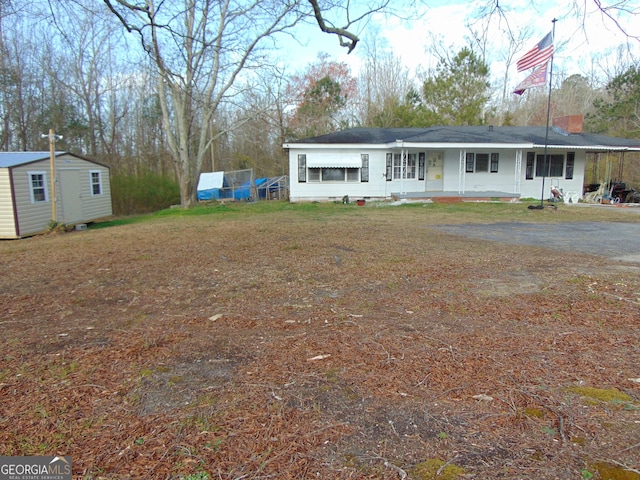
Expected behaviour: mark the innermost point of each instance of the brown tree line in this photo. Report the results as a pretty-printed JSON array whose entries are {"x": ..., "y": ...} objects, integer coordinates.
[{"x": 191, "y": 86}]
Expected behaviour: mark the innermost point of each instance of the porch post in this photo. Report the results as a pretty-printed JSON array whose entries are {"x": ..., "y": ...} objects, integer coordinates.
[
  {"x": 461, "y": 171},
  {"x": 403, "y": 167},
  {"x": 518, "y": 172}
]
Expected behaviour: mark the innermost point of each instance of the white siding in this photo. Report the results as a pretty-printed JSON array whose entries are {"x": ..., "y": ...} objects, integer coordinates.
[
  {"x": 376, "y": 187},
  {"x": 7, "y": 219},
  {"x": 379, "y": 188},
  {"x": 533, "y": 188}
]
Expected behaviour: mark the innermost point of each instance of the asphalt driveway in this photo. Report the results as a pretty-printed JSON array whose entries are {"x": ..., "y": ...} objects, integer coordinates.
[{"x": 617, "y": 241}]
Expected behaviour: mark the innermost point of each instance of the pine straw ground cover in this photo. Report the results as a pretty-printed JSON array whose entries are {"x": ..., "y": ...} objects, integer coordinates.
[{"x": 320, "y": 341}]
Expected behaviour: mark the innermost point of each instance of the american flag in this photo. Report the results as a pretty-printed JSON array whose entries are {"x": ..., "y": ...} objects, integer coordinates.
[
  {"x": 538, "y": 55},
  {"x": 537, "y": 77}
]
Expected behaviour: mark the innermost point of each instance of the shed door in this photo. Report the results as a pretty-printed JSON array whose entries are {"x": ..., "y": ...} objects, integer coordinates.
[{"x": 69, "y": 195}]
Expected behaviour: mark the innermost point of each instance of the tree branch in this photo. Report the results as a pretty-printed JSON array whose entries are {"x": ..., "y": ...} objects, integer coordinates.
[{"x": 351, "y": 39}]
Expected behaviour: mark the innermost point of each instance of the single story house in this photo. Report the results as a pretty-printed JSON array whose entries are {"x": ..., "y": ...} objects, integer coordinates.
[
  {"x": 27, "y": 206},
  {"x": 479, "y": 162}
]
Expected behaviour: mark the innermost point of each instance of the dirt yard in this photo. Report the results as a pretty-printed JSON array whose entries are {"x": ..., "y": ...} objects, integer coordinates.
[{"x": 324, "y": 342}]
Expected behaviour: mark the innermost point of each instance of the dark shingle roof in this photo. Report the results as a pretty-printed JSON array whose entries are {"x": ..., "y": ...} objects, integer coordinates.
[{"x": 469, "y": 135}]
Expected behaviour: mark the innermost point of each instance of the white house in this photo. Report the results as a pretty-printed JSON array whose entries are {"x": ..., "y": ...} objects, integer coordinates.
[
  {"x": 467, "y": 162},
  {"x": 82, "y": 192}
]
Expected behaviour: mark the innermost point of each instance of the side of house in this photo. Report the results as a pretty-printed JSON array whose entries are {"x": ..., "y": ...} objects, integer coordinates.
[
  {"x": 482, "y": 162},
  {"x": 320, "y": 174}
]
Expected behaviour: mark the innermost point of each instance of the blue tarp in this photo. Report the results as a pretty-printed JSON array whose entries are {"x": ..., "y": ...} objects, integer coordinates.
[
  {"x": 264, "y": 189},
  {"x": 214, "y": 186},
  {"x": 243, "y": 192},
  {"x": 210, "y": 186}
]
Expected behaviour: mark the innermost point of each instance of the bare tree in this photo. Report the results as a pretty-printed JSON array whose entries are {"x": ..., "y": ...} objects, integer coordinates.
[
  {"x": 86, "y": 65},
  {"x": 491, "y": 17},
  {"x": 21, "y": 81},
  {"x": 202, "y": 50},
  {"x": 382, "y": 85}
]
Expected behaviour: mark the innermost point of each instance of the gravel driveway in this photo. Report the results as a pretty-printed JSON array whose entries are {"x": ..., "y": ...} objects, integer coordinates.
[{"x": 618, "y": 241}]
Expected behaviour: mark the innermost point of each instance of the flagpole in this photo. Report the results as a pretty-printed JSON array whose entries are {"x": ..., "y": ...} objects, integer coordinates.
[{"x": 547, "y": 166}]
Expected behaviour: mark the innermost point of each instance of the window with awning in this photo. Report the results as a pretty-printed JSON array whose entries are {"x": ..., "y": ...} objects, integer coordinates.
[
  {"x": 338, "y": 168},
  {"x": 334, "y": 161}
]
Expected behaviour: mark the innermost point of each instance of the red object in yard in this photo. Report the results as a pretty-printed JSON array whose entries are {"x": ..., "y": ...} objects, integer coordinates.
[{"x": 360, "y": 203}]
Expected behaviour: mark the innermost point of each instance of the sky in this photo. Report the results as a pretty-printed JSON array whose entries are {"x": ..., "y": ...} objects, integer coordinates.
[{"x": 579, "y": 36}]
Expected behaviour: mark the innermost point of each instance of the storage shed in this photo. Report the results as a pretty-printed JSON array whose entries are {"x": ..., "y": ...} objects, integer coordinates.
[{"x": 82, "y": 192}]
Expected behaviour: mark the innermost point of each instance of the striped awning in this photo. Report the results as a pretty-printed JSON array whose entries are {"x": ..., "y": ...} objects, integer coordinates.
[{"x": 335, "y": 160}]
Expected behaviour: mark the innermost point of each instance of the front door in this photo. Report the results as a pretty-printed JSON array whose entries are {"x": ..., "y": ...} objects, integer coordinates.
[
  {"x": 435, "y": 163},
  {"x": 69, "y": 195}
]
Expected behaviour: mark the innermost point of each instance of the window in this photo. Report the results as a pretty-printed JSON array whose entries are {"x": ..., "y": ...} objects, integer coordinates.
[
  {"x": 557, "y": 166},
  {"x": 411, "y": 165},
  {"x": 571, "y": 160},
  {"x": 494, "y": 162},
  {"x": 482, "y": 162},
  {"x": 38, "y": 187},
  {"x": 470, "y": 163},
  {"x": 553, "y": 167},
  {"x": 353, "y": 174},
  {"x": 421, "y": 165},
  {"x": 96, "y": 182},
  {"x": 404, "y": 165},
  {"x": 479, "y": 162},
  {"x": 541, "y": 166},
  {"x": 302, "y": 168},
  {"x": 389, "y": 172},
  {"x": 531, "y": 160},
  {"x": 334, "y": 174},
  {"x": 314, "y": 174},
  {"x": 397, "y": 165},
  {"x": 364, "y": 171}
]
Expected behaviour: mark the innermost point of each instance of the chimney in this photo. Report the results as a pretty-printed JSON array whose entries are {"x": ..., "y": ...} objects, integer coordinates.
[{"x": 569, "y": 123}]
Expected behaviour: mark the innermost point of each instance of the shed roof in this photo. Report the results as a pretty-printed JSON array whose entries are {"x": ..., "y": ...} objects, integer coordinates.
[
  {"x": 14, "y": 159},
  {"x": 472, "y": 135}
]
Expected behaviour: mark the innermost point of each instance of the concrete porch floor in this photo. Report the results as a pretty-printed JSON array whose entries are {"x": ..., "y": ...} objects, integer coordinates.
[{"x": 452, "y": 197}]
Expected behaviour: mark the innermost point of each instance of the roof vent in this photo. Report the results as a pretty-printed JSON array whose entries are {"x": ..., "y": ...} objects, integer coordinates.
[{"x": 491, "y": 128}]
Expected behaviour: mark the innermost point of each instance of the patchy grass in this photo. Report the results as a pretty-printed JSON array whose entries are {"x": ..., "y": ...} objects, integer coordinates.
[
  {"x": 608, "y": 471},
  {"x": 611, "y": 395},
  {"x": 434, "y": 469}
]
